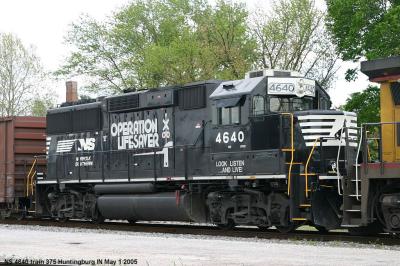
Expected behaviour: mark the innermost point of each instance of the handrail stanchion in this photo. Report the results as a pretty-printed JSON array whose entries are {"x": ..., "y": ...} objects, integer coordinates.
[
  {"x": 358, "y": 152},
  {"x": 308, "y": 161},
  {"x": 337, "y": 162},
  {"x": 28, "y": 178},
  {"x": 380, "y": 148},
  {"x": 291, "y": 149}
]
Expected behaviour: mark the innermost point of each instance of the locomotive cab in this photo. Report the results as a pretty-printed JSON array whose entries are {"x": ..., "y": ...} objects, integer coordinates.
[{"x": 276, "y": 127}]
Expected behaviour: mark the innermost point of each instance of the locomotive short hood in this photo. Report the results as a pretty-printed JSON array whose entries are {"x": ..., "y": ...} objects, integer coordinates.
[{"x": 236, "y": 88}]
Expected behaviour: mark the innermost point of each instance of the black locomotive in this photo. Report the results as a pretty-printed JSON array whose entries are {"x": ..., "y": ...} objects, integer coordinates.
[{"x": 264, "y": 151}]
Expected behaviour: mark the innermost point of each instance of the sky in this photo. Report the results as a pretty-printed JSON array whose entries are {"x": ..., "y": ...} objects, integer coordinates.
[{"x": 44, "y": 24}]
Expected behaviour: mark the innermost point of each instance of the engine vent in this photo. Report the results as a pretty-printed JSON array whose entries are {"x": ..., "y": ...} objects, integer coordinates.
[
  {"x": 192, "y": 98},
  {"x": 123, "y": 103},
  {"x": 86, "y": 120},
  {"x": 278, "y": 73},
  {"x": 272, "y": 73},
  {"x": 58, "y": 123},
  {"x": 254, "y": 74},
  {"x": 74, "y": 120}
]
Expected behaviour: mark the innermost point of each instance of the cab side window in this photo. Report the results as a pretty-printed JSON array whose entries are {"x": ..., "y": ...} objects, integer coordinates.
[
  {"x": 258, "y": 105},
  {"x": 229, "y": 115},
  {"x": 227, "y": 111}
]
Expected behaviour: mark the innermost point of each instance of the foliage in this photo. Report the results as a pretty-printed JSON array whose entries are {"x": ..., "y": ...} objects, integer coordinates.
[
  {"x": 365, "y": 28},
  {"x": 224, "y": 30},
  {"x": 21, "y": 76},
  {"x": 365, "y": 104},
  {"x": 154, "y": 43},
  {"x": 292, "y": 36},
  {"x": 94, "y": 57},
  {"x": 148, "y": 44},
  {"x": 351, "y": 74},
  {"x": 40, "y": 105}
]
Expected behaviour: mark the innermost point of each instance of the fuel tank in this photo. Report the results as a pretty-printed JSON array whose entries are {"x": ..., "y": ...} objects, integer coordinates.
[
  {"x": 124, "y": 189},
  {"x": 165, "y": 206}
]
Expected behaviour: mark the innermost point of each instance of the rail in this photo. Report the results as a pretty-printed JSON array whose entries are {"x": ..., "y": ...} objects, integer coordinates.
[
  {"x": 191, "y": 229},
  {"x": 291, "y": 149}
]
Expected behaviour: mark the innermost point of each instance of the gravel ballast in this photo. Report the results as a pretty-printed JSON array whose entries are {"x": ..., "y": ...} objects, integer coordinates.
[{"x": 97, "y": 246}]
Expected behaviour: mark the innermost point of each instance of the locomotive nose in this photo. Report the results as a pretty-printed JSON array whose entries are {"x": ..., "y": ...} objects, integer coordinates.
[{"x": 329, "y": 126}]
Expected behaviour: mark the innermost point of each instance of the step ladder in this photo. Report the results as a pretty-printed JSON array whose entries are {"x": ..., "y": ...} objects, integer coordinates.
[
  {"x": 352, "y": 190},
  {"x": 295, "y": 180},
  {"x": 304, "y": 205}
]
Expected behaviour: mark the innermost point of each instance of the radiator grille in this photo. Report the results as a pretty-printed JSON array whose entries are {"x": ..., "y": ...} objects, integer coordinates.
[
  {"x": 123, "y": 103},
  {"x": 192, "y": 98}
]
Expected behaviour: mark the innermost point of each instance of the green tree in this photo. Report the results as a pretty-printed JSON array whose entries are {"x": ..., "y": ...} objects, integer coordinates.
[
  {"x": 292, "y": 35},
  {"x": 40, "y": 105},
  {"x": 224, "y": 31},
  {"x": 365, "y": 28},
  {"x": 95, "y": 57},
  {"x": 21, "y": 76},
  {"x": 154, "y": 43},
  {"x": 365, "y": 104}
]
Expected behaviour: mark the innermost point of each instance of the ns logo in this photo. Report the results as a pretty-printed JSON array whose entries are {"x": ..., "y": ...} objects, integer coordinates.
[{"x": 87, "y": 144}]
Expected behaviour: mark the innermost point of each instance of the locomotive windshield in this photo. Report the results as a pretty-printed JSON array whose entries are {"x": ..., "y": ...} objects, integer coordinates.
[
  {"x": 267, "y": 94},
  {"x": 262, "y": 105},
  {"x": 286, "y": 104}
]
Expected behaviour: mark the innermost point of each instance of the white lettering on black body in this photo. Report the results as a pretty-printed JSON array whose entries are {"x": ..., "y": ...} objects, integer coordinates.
[{"x": 136, "y": 134}]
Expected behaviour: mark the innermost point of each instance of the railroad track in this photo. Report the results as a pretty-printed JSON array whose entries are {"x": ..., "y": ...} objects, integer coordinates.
[{"x": 188, "y": 229}]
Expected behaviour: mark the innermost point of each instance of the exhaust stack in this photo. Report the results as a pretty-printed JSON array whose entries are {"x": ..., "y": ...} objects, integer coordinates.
[{"x": 71, "y": 91}]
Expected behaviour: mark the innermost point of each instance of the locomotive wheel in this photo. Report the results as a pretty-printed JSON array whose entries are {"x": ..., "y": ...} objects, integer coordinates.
[
  {"x": 372, "y": 229},
  {"x": 3, "y": 215},
  {"x": 360, "y": 231},
  {"x": 263, "y": 228},
  {"x": 229, "y": 225},
  {"x": 132, "y": 221},
  {"x": 286, "y": 229},
  {"x": 321, "y": 229},
  {"x": 97, "y": 218},
  {"x": 62, "y": 218},
  {"x": 289, "y": 227},
  {"x": 21, "y": 216}
]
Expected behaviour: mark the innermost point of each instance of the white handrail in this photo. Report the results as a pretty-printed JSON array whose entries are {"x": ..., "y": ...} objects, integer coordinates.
[
  {"x": 337, "y": 162},
  {"x": 358, "y": 153}
]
